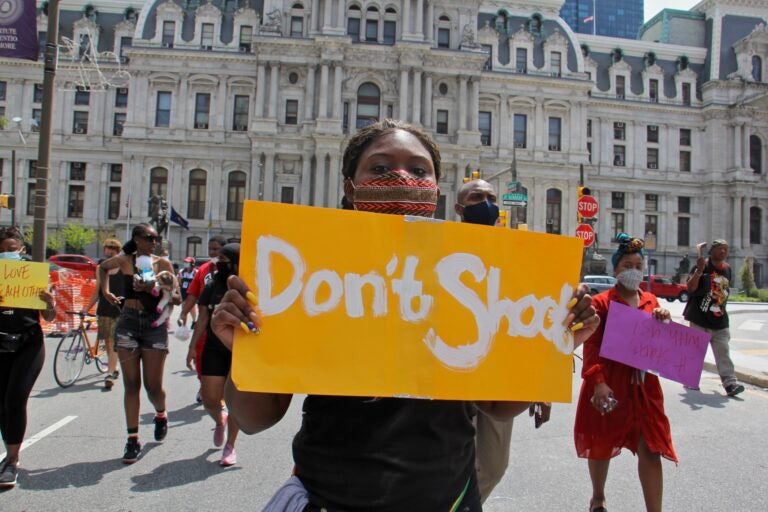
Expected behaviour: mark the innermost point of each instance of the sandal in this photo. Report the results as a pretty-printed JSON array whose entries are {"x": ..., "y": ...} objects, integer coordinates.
[{"x": 596, "y": 509}]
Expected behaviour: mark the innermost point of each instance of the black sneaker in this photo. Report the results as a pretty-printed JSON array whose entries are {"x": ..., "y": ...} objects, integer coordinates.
[
  {"x": 110, "y": 379},
  {"x": 734, "y": 389},
  {"x": 8, "y": 475},
  {"x": 161, "y": 428},
  {"x": 132, "y": 450}
]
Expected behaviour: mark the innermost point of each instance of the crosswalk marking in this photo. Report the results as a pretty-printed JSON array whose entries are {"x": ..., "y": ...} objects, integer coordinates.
[{"x": 752, "y": 325}]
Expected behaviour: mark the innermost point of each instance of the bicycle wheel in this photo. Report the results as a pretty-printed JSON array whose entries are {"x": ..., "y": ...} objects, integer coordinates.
[
  {"x": 69, "y": 359},
  {"x": 102, "y": 363}
]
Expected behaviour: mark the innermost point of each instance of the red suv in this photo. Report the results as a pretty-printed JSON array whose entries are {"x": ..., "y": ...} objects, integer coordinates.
[{"x": 82, "y": 264}]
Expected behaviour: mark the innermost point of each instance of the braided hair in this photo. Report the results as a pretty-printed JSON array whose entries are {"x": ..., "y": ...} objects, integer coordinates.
[{"x": 627, "y": 245}]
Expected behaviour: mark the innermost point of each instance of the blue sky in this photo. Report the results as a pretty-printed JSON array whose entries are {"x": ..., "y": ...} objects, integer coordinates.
[{"x": 652, "y": 7}]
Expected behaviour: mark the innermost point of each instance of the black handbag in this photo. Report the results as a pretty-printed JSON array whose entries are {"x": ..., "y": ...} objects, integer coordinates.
[{"x": 10, "y": 342}]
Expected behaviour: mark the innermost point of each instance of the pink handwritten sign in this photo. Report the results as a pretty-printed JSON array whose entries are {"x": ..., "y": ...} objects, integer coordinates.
[{"x": 671, "y": 350}]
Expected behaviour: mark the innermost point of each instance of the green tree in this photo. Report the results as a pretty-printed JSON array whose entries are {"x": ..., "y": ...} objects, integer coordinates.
[
  {"x": 53, "y": 242},
  {"x": 77, "y": 237},
  {"x": 747, "y": 277}
]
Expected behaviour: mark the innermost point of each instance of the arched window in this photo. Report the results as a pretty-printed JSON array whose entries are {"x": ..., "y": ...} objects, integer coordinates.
[
  {"x": 353, "y": 22},
  {"x": 444, "y": 32},
  {"x": 235, "y": 195},
  {"x": 390, "y": 25},
  {"x": 368, "y": 105},
  {"x": 554, "y": 209},
  {"x": 158, "y": 183},
  {"x": 372, "y": 24},
  {"x": 195, "y": 246},
  {"x": 757, "y": 69},
  {"x": 755, "y": 225},
  {"x": 756, "y": 154},
  {"x": 196, "y": 201}
]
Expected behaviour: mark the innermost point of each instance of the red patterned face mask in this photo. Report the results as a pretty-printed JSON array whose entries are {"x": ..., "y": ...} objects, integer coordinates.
[{"x": 395, "y": 192}]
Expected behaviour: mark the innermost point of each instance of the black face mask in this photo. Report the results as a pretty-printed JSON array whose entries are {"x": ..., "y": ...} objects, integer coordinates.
[
  {"x": 485, "y": 213},
  {"x": 223, "y": 270}
]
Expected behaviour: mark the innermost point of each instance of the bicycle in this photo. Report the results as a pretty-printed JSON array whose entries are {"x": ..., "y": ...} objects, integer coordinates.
[{"x": 75, "y": 350}]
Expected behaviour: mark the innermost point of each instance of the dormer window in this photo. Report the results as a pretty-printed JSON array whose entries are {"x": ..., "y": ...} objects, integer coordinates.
[
  {"x": 556, "y": 64},
  {"x": 246, "y": 38},
  {"x": 653, "y": 90},
  {"x": 206, "y": 37},
  {"x": 620, "y": 87},
  {"x": 757, "y": 68},
  {"x": 169, "y": 33},
  {"x": 521, "y": 60}
]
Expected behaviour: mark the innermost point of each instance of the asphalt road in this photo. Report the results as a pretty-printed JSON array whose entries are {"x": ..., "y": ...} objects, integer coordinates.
[{"x": 75, "y": 438}]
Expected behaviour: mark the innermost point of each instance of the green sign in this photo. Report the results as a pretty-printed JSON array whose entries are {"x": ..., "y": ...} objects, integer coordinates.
[
  {"x": 516, "y": 196},
  {"x": 512, "y": 185}
]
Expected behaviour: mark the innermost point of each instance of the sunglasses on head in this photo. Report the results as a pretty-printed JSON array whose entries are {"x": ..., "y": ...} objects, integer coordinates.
[{"x": 150, "y": 238}]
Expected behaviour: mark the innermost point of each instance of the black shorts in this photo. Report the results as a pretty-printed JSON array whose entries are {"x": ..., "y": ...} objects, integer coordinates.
[
  {"x": 216, "y": 360},
  {"x": 134, "y": 330}
]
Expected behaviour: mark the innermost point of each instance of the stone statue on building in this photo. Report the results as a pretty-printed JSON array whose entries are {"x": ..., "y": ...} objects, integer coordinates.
[
  {"x": 468, "y": 37},
  {"x": 158, "y": 214},
  {"x": 274, "y": 22},
  {"x": 682, "y": 269}
]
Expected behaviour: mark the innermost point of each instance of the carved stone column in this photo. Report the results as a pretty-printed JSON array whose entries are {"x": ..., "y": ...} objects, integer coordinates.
[
  {"x": 462, "y": 103},
  {"x": 403, "y": 93},
  {"x": 274, "y": 75},
  {"x": 427, "y": 94},
  {"x": 261, "y": 83},
  {"x": 417, "y": 98},
  {"x": 323, "y": 100},
  {"x": 338, "y": 75},
  {"x": 309, "y": 97}
]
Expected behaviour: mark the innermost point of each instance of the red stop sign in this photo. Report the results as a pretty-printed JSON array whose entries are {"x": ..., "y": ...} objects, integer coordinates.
[
  {"x": 586, "y": 233},
  {"x": 587, "y": 207}
]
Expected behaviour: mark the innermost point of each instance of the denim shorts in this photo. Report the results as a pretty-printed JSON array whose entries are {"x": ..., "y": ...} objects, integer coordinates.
[{"x": 134, "y": 330}]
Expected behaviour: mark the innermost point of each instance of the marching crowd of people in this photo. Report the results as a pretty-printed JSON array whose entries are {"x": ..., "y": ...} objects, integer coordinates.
[{"x": 355, "y": 453}]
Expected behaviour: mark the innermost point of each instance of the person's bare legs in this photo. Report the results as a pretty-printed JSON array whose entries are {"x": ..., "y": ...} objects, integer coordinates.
[
  {"x": 111, "y": 356},
  {"x": 651, "y": 476},
  {"x": 130, "y": 362},
  {"x": 598, "y": 473},
  {"x": 154, "y": 366},
  {"x": 212, "y": 387}
]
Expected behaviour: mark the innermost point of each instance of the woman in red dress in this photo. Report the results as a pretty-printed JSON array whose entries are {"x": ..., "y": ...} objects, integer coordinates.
[{"x": 620, "y": 406}]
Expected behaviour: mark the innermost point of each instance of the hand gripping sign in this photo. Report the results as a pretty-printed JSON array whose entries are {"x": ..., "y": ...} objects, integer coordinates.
[{"x": 362, "y": 304}]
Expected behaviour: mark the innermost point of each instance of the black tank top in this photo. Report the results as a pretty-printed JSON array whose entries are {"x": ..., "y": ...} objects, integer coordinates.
[
  {"x": 385, "y": 455},
  {"x": 148, "y": 301}
]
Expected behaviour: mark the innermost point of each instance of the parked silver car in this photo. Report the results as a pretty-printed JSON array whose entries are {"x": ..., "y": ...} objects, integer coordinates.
[{"x": 599, "y": 284}]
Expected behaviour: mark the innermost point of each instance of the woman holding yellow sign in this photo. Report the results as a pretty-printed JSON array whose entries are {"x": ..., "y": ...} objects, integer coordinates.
[
  {"x": 21, "y": 358},
  {"x": 376, "y": 454}
]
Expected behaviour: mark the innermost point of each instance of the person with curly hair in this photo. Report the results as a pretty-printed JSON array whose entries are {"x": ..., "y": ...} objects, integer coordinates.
[
  {"x": 22, "y": 353},
  {"x": 620, "y": 406}
]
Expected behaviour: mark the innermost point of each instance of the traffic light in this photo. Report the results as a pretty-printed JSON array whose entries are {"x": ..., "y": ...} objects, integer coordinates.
[
  {"x": 584, "y": 191},
  {"x": 7, "y": 201}
]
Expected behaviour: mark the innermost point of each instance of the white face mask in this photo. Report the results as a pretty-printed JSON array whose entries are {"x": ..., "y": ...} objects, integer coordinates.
[
  {"x": 10, "y": 255},
  {"x": 630, "y": 278}
]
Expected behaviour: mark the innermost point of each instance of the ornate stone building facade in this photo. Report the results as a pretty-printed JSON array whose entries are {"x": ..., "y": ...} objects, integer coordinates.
[{"x": 230, "y": 100}]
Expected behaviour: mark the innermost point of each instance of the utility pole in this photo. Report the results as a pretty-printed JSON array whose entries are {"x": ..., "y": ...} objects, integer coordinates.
[{"x": 44, "y": 148}]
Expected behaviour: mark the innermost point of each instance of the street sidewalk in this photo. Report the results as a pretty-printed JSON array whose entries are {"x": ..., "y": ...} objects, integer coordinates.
[{"x": 750, "y": 369}]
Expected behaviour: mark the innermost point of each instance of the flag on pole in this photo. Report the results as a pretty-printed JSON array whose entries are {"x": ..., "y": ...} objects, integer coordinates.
[
  {"x": 18, "y": 26},
  {"x": 178, "y": 219},
  {"x": 589, "y": 18}
]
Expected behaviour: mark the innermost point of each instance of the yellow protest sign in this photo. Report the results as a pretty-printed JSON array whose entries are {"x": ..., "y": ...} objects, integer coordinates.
[
  {"x": 21, "y": 283},
  {"x": 365, "y": 304}
]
